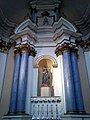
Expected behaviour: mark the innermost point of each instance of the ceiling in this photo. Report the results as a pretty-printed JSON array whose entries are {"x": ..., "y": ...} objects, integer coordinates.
[
  {"x": 73, "y": 10},
  {"x": 15, "y": 10}
]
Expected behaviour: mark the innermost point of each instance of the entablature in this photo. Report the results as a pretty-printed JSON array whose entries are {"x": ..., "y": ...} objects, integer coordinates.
[{"x": 60, "y": 31}]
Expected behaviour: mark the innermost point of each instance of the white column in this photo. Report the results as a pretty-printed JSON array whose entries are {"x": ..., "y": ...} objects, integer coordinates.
[
  {"x": 35, "y": 82},
  {"x": 29, "y": 84},
  {"x": 62, "y": 83},
  {"x": 59, "y": 89},
  {"x": 3, "y": 58},
  {"x": 87, "y": 59}
]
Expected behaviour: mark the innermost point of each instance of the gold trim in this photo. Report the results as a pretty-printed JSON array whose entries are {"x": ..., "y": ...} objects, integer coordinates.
[
  {"x": 58, "y": 51},
  {"x": 64, "y": 48},
  {"x": 36, "y": 66},
  {"x": 52, "y": 59},
  {"x": 55, "y": 65},
  {"x": 32, "y": 52},
  {"x": 16, "y": 51},
  {"x": 24, "y": 48}
]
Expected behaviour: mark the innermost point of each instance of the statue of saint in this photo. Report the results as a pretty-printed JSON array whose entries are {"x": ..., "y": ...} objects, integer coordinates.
[
  {"x": 46, "y": 76},
  {"x": 45, "y": 22}
]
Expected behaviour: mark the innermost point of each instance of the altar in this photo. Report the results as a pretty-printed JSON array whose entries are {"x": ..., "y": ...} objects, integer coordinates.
[{"x": 46, "y": 81}]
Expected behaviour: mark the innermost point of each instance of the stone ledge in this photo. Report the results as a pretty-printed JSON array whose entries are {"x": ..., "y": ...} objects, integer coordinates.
[
  {"x": 75, "y": 117},
  {"x": 17, "y": 117}
]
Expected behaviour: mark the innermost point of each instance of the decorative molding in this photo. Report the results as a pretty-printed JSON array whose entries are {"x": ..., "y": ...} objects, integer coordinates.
[
  {"x": 85, "y": 44},
  {"x": 54, "y": 61},
  {"x": 16, "y": 51},
  {"x": 47, "y": 3},
  {"x": 4, "y": 46},
  {"x": 65, "y": 47},
  {"x": 24, "y": 48},
  {"x": 21, "y": 48},
  {"x": 32, "y": 52},
  {"x": 45, "y": 33},
  {"x": 57, "y": 25},
  {"x": 46, "y": 108}
]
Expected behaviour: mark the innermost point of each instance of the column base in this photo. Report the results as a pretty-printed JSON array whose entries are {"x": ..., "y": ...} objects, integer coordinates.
[
  {"x": 75, "y": 117},
  {"x": 17, "y": 117},
  {"x": 16, "y": 113},
  {"x": 75, "y": 113}
]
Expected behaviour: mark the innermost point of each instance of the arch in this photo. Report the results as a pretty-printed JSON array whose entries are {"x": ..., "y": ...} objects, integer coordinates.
[{"x": 55, "y": 64}]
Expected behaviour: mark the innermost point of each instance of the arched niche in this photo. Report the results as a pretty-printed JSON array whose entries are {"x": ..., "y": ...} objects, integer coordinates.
[
  {"x": 54, "y": 61},
  {"x": 50, "y": 63}
]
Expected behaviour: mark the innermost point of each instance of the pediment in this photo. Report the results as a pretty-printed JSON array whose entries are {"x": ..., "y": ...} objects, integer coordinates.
[
  {"x": 45, "y": 2},
  {"x": 45, "y": 33},
  {"x": 61, "y": 24}
]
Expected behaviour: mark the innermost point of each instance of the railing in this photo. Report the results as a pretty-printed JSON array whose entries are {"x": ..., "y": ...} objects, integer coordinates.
[{"x": 46, "y": 108}]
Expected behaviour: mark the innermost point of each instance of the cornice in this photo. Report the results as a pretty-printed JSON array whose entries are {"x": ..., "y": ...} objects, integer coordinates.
[
  {"x": 38, "y": 29},
  {"x": 45, "y": 33},
  {"x": 39, "y": 3},
  {"x": 45, "y": 37}
]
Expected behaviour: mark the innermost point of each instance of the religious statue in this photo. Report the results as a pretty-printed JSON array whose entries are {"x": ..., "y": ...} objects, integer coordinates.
[
  {"x": 46, "y": 78},
  {"x": 45, "y": 22}
]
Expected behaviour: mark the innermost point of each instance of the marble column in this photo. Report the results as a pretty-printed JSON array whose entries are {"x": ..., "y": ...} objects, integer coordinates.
[
  {"x": 70, "y": 104},
  {"x": 69, "y": 82},
  {"x": 77, "y": 84},
  {"x": 21, "y": 97},
  {"x": 14, "y": 90},
  {"x": 32, "y": 54}
]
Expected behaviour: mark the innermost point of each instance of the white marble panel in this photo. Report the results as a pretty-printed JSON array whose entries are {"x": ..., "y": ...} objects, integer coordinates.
[
  {"x": 35, "y": 82},
  {"x": 3, "y": 57},
  {"x": 87, "y": 59}
]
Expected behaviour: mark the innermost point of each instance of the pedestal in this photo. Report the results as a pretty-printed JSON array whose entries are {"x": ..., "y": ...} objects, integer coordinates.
[
  {"x": 45, "y": 90},
  {"x": 17, "y": 117},
  {"x": 75, "y": 117}
]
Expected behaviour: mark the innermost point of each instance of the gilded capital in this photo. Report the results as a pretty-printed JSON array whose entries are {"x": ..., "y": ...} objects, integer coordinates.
[
  {"x": 58, "y": 51},
  {"x": 24, "y": 48},
  {"x": 16, "y": 51},
  {"x": 85, "y": 44},
  {"x": 32, "y": 52},
  {"x": 66, "y": 47},
  {"x": 62, "y": 48}
]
